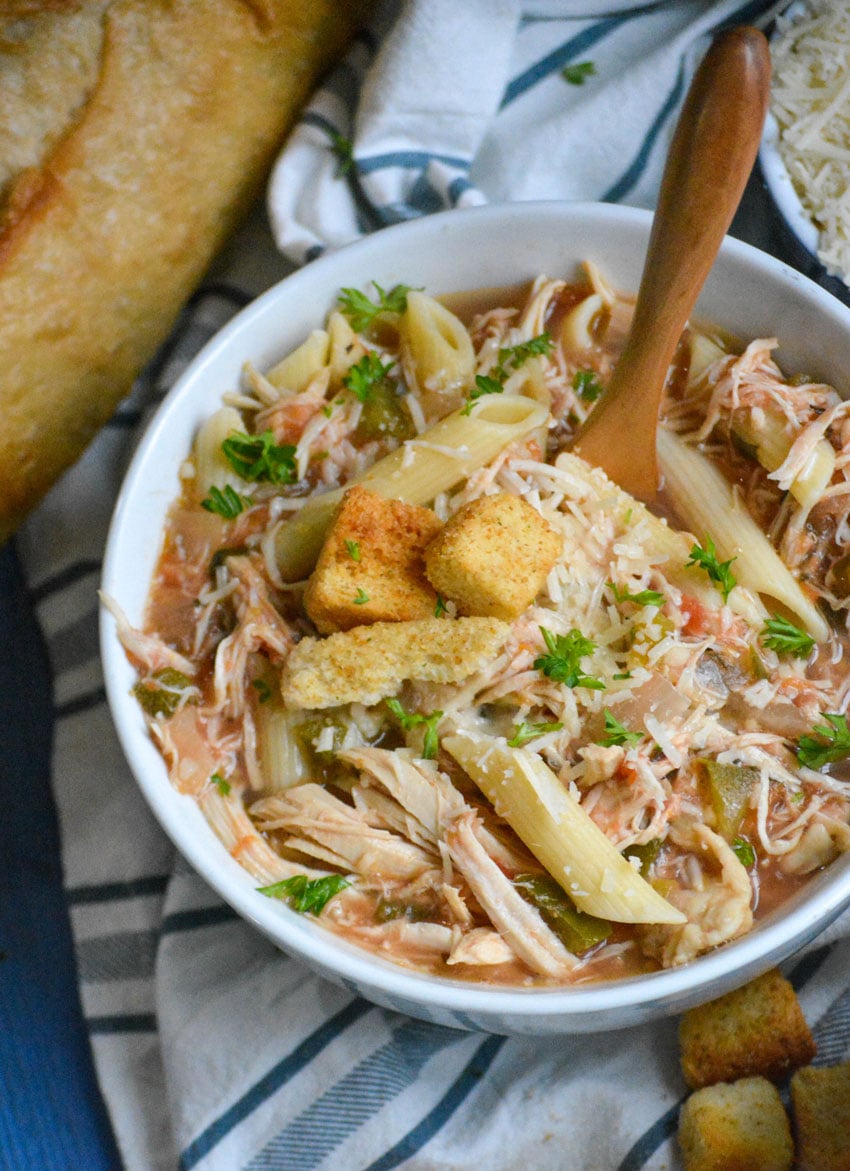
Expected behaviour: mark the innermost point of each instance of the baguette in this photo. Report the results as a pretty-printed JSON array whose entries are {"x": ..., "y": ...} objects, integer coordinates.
[{"x": 133, "y": 136}]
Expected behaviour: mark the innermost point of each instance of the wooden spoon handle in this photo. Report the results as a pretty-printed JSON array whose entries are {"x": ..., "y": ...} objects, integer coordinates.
[{"x": 710, "y": 159}]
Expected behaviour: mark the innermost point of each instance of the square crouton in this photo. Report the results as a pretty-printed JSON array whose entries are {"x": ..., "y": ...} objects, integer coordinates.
[
  {"x": 369, "y": 663},
  {"x": 742, "y": 1126},
  {"x": 820, "y": 1100},
  {"x": 757, "y": 1029},
  {"x": 492, "y": 557},
  {"x": 370, "y": 568}
]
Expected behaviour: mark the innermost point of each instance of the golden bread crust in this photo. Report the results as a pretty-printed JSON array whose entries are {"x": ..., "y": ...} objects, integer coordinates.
[{"x": 102, "y": 243}]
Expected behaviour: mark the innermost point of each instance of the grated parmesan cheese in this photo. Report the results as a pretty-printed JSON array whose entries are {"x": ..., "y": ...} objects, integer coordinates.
[{"x": 811, "y": 104}]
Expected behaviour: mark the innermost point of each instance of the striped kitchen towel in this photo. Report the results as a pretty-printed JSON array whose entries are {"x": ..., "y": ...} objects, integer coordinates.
[{"x": 213, "y": 1050}]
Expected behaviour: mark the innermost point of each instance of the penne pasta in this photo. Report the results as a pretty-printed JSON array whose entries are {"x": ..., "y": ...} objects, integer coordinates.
[
  {"x": 282, "y": 755},
  {"x": 705, "y": 351},
  {"x": 296, "y": 370},
  {"x": 416, "y": 472},
  {"x": 211, "y": 467},
  {"x": 345, "y": 347},
  {"x": 578, "y": 326},
  {"x": 709, "y": 504},
  {"x": 563, "y": 838},
  {"x": 437, "y": 351},
  {"x": 772, "y": 443}
]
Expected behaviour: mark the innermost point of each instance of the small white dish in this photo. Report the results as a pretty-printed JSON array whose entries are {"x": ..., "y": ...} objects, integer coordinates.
[{"x": 748, "y": 293}]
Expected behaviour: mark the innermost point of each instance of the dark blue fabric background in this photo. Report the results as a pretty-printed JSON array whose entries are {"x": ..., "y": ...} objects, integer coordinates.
[{"x": 52, "y": 1115}]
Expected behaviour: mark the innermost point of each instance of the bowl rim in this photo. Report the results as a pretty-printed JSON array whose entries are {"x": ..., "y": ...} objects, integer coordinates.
[{"x": 771, "y": 940}]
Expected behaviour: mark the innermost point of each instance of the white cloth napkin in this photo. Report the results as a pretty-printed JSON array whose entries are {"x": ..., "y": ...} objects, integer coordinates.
[{"x": 214, "y": 1050}]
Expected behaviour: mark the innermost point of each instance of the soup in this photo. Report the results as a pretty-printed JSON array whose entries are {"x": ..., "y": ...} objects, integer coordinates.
[{"x": 439, "y": 683}]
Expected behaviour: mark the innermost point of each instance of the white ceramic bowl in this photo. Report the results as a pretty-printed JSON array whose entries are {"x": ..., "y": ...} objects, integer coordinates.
[{"x": 748, "y": 293}]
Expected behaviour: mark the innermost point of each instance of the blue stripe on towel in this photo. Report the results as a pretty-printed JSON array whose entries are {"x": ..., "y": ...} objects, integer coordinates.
[
  {"x": 276, "y": 1077},
  {"x": 52, "y": 1116},
  {"x": 454, "y": 1097},
  {"x": 357, "y": 1097},
  {"x": 411, "y": 160},
  {"x": 636, "y": 168},
  {"x": 109, "y": 892},
  {"x": 561, "y": 56},
  {"x": 71, "y": 574},
  {"x": 198, "y": 917},
  {"x": 122, "y": 1023}
]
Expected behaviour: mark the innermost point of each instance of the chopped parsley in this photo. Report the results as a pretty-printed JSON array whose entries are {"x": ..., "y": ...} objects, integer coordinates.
[
  {"x": 440, "y": 609},
  {"x": 227, "y": 503},
  {"x": 641, "y": 598},
  {"x": 743, "y": 850},
  {"x": 258, "y": 458},
  {"x": 512, "y": 357},
  {"x": 162, "y": 693},
  {"x": 578, "y": 73},
  {"x": 409, "y": 720},
  {"x": 830, "y": 742},
  {"x": 484, "y": 384},
  {"x": 563, "y": 661},
  {"x": 617, "y": 734},
  {"x": 221, "y": 784},
  {"x": 587, "y": 385},
  {"x": 719, "y": 572},
  {"x": 352, "y": 548},
  {"x": 306, "y": 894},
  {"x": 264, "y": 692},
  {"x": 364, "y": 375},
  {"x": 785, "y": 638},
  {"x": 343, "y": 148},
  {"x": 361, "y": 312},
  {"x": 361, "y": 597},
  {"x": 524, "y": 732}
]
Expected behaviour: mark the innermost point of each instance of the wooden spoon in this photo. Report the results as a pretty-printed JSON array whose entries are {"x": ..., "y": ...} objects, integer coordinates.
[{"x": 710, "y": 159}]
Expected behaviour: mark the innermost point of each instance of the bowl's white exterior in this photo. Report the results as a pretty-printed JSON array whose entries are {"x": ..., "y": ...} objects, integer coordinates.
[{"x": 748, "y": 293}]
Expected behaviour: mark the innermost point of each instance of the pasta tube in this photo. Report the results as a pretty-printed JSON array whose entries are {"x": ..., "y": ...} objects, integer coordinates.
[
  {"x": 577, "y": 329},
  {"x": 708, "y": 503},
  {"x": 559, "y": 833},
  {"x": 436, "y": 345},
  {"x": 211, "y": 467},
  {"x": 414, "y": 473},
  {"x": 297, "y": 370},
  {"x": 772, "y": 444},
  {"x": 345, "y": 347}
]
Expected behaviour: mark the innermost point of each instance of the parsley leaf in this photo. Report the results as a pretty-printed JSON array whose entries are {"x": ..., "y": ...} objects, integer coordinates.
[
  {"x": 744, "y": 851},
  {"x": 410, "y": 720},
  {"x": 718, "y": 571},
  {"x": 440, "y": 609},
  {"x": 587, "y": 386},
  {"x": 227, "y": 503},
  {"x": 562, "y": 663},
  {"x": 343, "y": 148},
  {"x": 365, "y": 374},
  {"x": 484, "y": 384},
  {"x": 641, "y": 598},
  {"x": 578, "y": 73},
  {"x": 306, "y": 894},
  {"x": 264, "y": 692},
  {"x": 617, "y": 734},
  {"x": 512, "y": 357},
  {"x": 258, "y": 457},
  {"x": 361, "y": 312},
  {"x": 361, "y": 597},
  {"x": 352, "y": 548},
  {"x": 830, "y": 742},
  {"x": 221, "y": 784},
  {"x": 524, "y": 732},
  {"x": 785, "y": 638}
]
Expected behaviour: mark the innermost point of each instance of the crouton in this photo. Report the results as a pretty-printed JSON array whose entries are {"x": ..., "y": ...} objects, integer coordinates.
[
  {"x": 370, "y": 568},
  {"x": 757, "y": 1029},
  {"x": 820, "y": 1100},
  {"x": 368, "y": 663},
  {"x": 493, "y": 556},
  {"x": 742, "y": 1126}
]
